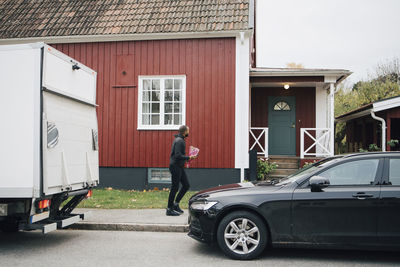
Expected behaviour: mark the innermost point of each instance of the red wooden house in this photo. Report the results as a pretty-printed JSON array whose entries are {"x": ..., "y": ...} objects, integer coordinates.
[{"x": 164, "y": 63}]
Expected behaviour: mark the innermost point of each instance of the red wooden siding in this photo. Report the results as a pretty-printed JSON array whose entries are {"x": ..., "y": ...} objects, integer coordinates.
[
  {"x": 209, "y": 66},
  {"x": 305, "y": 108}
]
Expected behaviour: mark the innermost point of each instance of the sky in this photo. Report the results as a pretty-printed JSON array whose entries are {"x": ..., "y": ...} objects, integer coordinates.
[{"x": 344, "y": 34}]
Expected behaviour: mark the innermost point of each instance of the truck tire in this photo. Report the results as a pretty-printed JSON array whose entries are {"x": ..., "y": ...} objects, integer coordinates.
[{"x": 242, "y": 235}]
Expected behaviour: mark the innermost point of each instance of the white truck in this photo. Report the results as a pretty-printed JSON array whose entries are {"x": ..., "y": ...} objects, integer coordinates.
[{"x": 48, "y": 137}]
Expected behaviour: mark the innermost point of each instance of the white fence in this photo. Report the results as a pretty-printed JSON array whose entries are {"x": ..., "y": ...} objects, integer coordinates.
[
  {"x": 320, "y": 142},
  {"x": 262, "y": 147}
]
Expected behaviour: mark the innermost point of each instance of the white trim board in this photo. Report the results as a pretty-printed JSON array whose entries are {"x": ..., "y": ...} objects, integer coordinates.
[
  {"x": 121, "y": 37},
  {"x": 380, "y": 105},
  {"x": 242, "y": 106},
  {"x": 386, "y": 104}
]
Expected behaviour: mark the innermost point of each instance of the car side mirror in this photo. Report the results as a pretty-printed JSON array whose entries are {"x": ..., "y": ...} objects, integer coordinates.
[{"x": 317, "y": 183}]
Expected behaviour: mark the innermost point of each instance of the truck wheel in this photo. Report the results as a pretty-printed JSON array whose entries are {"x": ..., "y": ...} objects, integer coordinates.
[
  {"x": 242, "y": 235},
  {"x": 9, "y": 227}
]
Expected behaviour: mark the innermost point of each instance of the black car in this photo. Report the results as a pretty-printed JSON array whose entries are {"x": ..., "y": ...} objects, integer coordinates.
[{"x": 350, "y": 201}]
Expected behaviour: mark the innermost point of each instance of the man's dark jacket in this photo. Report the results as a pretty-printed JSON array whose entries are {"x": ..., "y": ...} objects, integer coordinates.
[{"x": 178, "y": 149}]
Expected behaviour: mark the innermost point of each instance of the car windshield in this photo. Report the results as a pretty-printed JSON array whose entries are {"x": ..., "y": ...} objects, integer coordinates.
[{"x": 307, "y": 170}]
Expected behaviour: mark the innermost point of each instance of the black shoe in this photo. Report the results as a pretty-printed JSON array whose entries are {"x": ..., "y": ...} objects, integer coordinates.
[
  {"x": 171, "y": 212},
  {"x": 177, "y": 208}
]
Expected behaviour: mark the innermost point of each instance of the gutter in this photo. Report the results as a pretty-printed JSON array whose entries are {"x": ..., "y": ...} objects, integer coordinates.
[{"x": 123, "y": 37}]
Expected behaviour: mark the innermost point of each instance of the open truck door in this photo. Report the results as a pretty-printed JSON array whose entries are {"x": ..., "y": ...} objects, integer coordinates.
[{"x": 48, "y": 107}]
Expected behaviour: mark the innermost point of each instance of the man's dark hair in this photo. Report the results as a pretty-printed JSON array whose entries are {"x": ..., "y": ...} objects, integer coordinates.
[{"x": 182, "y": 129}]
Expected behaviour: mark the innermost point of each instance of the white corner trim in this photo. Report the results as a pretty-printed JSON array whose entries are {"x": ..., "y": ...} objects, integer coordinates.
[
  {"x": 321, "y": 107},
  {"x": 321, "y": 111},
  {"x": 242, "y": 105},
  {"x": 330, "y": 79}
]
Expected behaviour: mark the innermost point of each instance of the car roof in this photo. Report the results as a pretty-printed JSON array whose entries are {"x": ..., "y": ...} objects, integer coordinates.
[{"x": 367, "y": 154}]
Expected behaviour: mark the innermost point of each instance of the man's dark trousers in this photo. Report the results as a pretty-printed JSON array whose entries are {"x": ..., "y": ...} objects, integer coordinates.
[{"x": 178, "y": 176}]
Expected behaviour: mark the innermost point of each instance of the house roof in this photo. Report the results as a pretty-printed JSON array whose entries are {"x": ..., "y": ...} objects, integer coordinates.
[
  {"x": 300, "y": 74},
  {"x": 379, "y": 105},
  {"x": 44, "y": 18}
]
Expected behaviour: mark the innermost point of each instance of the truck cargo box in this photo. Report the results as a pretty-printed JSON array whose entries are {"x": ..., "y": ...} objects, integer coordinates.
[
  {"x": 49, "y": 134},
  {"x": 48, "y": 142}
]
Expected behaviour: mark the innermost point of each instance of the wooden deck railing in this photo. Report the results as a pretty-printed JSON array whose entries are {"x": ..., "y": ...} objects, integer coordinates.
[
  {"x": 262, "y": 147},
  {"x": 320, "y": 138}
]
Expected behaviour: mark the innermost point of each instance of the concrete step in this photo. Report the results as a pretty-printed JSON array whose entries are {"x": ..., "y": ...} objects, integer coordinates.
[{"x": 283, "y": 171}]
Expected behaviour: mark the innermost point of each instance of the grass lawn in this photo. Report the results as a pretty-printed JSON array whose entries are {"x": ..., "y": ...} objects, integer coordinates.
[{"x": 130, "y": 199}]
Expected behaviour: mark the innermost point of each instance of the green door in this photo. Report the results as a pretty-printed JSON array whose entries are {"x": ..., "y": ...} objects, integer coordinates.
[{"x": 282, "y": 125}]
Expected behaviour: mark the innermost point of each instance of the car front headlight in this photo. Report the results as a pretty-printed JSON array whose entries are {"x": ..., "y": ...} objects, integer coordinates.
[{"x": 202, "y": 205}]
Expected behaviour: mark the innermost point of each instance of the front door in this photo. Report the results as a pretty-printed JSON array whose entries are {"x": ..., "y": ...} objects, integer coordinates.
[{"x": 282, "y": 125}]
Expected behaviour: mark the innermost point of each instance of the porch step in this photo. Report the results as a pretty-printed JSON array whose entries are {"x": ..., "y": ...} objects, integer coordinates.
[
  {"x": 286, "y": 166},
  {"x": 284, "y": 172},
  {"x": 281, "y": 160}
]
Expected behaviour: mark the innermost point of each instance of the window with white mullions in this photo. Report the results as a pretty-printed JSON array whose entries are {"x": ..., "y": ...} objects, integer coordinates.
[{"x": 161, "y": 102}]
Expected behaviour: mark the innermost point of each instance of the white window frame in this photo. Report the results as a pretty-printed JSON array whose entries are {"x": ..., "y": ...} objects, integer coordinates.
[{"x": 162, "y": 112}]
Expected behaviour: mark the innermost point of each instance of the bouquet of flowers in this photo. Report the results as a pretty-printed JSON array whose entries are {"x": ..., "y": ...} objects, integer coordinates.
[{"x": 193, "y": 151}]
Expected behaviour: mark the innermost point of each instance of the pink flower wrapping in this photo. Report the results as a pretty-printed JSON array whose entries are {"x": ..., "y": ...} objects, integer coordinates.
[{"x": 193, "y": 151}]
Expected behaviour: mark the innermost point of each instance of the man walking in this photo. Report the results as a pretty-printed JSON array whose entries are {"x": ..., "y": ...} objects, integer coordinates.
[{"x": 176, "y": 167}]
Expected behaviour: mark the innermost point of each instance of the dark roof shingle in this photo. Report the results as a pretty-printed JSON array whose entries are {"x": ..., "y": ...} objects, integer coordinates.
[{"x": 44, "y": 18}]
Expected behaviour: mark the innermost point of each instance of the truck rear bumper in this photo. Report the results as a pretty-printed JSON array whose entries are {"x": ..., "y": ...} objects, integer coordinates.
[{"x": 49, "y": 225}]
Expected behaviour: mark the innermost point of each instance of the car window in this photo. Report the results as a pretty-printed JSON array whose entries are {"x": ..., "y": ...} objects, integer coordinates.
[
  {"x": 309, "y": 169},
  {"x": 359, "y": 172},
  {"x": 394, "y": 171}
]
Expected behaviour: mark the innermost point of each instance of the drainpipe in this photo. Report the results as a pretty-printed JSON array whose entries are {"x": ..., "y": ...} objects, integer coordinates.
[{"x": 383, "y": 129}]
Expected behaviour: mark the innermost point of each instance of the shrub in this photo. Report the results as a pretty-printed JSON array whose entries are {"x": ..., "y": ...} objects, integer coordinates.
[
  {"x": 393, "y": 142},
  {"x": 371, "y": 148},
  {"x": 264, "y": 167}
]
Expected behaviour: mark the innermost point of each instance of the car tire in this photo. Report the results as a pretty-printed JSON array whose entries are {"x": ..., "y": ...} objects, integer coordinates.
[{"x": 242, "y": 235}]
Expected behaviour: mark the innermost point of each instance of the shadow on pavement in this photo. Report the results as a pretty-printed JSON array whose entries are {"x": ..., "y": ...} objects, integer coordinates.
[
  {"x": 313, "y": 255},
  {"x": 34, "y": 240}
]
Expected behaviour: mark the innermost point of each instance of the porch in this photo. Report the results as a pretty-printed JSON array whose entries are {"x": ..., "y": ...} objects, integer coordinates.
[{"x": 292, "y": 112}]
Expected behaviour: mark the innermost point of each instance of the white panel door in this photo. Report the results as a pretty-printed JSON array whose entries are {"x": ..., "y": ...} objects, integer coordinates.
[
  {"x": 60, "y": 76},
  {"x": 70, "y": 154}
]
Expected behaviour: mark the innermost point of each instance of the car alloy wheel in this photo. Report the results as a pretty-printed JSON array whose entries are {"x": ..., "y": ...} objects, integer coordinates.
[{"x": 242, "y": 236}]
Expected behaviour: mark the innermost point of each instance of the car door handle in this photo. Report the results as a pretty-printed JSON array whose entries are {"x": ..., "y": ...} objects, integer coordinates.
[{"x": 362, "y": 196}]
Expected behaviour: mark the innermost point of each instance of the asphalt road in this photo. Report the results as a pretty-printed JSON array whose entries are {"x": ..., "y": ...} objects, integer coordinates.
[{"x": 107, "y": 248}]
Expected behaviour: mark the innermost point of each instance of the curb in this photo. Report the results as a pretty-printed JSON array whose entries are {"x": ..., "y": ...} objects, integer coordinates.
[{"x": 175, "y": 228}]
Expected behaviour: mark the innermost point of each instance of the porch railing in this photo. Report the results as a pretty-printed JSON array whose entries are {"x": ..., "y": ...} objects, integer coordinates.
[
  {"x": 320, "y": 141},
  {"x": 262, "y": 147}
]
